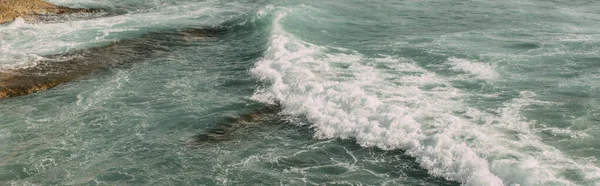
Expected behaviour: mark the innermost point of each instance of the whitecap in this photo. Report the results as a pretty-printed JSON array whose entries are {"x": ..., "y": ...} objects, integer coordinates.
[
  {"x": 343, "y": 94},
  {"x": 477, "y": 69}
]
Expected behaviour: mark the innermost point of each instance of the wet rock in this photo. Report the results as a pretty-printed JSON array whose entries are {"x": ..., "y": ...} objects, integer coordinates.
[
  {"x": 30, "y": 9},
  {"x": 224, "y": 131},
  {"x": 57, "y": 69}
]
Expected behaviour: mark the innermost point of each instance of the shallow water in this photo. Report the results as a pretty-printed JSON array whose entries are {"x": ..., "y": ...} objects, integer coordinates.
[{"x": 373, "y": 93}]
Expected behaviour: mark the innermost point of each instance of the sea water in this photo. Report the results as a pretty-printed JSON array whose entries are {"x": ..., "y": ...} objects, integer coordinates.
[{"x": 372, "y": 93}]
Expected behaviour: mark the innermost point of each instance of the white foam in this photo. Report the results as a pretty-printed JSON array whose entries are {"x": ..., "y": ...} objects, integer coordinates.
[
  {"x": 20, "y": 39},
  {"x": 344, "y": 95},
  {"x": 479, "y": 70}
]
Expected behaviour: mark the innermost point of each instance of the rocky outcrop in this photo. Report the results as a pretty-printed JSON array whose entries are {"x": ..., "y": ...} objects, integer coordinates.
[
  {"x": 29, "y": 9},
  {"x": 56, "y": 69}
]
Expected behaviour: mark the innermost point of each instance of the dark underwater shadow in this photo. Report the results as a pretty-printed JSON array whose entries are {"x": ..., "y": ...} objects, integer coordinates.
[
  {"x": 53, "y": 70},
  {"x": 225, "y": 129}
]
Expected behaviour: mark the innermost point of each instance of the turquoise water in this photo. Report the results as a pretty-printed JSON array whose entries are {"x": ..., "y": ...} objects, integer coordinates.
[{"x": 372, "y": 93}]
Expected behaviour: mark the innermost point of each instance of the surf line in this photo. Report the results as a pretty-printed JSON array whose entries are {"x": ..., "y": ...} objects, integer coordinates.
[{"x": 56, "y": 69}]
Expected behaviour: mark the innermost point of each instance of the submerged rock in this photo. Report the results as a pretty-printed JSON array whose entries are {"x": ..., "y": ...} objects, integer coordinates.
[
  {"x": 224, "y": 131},
  {"x": 56, "y": 69},
  {"x": 29, "y": 9}
]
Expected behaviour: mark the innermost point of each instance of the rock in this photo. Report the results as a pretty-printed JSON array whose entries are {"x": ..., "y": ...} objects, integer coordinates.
[
  {"x": 56, "y": 69},
  {"x": 29, "y": 9},
  {"x": 224, "y": 131}
]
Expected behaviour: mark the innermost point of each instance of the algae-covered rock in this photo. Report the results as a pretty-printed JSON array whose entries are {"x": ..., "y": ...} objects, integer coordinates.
[
  {"x": 224, "y": 131},
  {"x": 56, "y": 69},
  {"x": 27, "y": 9}
]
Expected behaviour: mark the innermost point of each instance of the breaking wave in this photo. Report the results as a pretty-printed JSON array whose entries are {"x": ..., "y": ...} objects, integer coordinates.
[{"x": 393, "y": 103}]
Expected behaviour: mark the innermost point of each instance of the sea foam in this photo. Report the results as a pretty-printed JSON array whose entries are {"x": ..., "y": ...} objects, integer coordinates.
[
  {"x": 344, "y": 94},
  {"x": 21, "y": 40},
  {"x": 479, "y": 70}
]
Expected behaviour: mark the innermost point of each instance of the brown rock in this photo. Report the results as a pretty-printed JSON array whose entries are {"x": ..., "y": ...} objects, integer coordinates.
[
  {"x": 61, "y": 68},
  {"x": 27, "y": 9}
]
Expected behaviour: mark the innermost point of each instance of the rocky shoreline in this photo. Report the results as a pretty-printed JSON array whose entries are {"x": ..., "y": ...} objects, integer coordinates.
[{"x": 30, "y": 9}]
